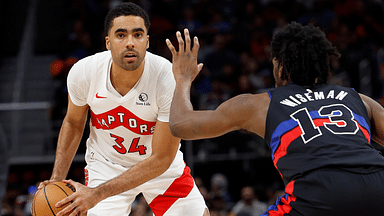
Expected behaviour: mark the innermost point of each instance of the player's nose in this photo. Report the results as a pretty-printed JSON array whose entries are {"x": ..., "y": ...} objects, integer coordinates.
[{"x": 130, "y": 42}]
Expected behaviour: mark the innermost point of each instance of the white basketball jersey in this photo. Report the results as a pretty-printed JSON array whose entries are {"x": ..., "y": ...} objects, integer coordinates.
[{"x": 121, "y": 127}]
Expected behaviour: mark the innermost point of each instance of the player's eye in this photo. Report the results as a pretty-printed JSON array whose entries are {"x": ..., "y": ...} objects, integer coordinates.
[{"x": 139, "y": 34}]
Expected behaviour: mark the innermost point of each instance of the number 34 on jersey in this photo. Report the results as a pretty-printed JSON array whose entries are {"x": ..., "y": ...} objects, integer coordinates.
[{"x": 121, "y": 117}]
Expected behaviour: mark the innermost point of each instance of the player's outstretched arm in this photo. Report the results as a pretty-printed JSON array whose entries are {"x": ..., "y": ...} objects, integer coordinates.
[
  {"x": 231, "y": 115},
  {"x": 376, "y": 115}
]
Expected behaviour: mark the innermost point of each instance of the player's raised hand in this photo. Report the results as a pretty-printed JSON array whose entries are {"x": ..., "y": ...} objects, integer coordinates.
[{"x": 184, "y": 61}]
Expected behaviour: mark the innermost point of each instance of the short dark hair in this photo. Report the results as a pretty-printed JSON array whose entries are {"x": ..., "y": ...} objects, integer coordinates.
[
  {"x": 304, "y": 53},
  {"x": 125, "y": 9}
]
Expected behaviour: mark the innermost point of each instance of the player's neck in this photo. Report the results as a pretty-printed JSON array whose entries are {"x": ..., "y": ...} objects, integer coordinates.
[{"x": 123, "y": 80}]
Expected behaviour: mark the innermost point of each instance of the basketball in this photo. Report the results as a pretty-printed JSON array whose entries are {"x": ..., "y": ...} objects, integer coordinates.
[{"x": 46, "y": 198}]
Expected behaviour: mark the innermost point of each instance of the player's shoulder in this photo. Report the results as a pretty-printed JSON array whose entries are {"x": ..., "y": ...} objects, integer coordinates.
[
  {"x": 157, "y": 62},
  {"x": 83, "y": 69}
]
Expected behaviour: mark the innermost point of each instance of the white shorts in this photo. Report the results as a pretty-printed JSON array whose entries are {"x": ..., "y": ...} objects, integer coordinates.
[{"x": 173, "y": 193}]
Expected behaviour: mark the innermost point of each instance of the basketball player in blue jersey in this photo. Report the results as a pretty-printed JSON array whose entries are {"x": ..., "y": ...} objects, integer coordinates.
[{"x": 320, "y": 135}]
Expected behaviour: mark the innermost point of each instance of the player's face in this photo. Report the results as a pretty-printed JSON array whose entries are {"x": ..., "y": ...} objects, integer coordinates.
[{"x": 128, "y": 42}]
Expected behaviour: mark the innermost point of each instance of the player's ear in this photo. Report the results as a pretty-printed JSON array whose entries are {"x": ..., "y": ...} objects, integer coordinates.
[
  {"x": 281, "y": 70},
  {"x": 107, "y": 43},
  {"x": 147, "y": 41}
]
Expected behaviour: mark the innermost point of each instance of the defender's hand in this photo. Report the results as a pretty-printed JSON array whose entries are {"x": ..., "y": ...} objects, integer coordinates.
[{"x": 184, "y": 61}]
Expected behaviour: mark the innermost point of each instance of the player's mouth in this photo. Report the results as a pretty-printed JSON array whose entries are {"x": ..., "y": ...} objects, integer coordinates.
[{"x": 130, "y": 57}]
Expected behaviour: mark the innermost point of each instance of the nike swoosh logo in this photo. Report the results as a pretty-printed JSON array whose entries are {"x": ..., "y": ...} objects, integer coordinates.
[{"x": 97, "y": 95}]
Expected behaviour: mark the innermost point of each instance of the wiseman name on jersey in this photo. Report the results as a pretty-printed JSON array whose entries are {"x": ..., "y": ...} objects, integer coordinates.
[{"x": 297, "y": 99}]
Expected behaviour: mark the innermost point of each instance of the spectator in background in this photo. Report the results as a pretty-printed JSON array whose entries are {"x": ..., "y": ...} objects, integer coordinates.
[
  {"x": 219, "y": 195},
  {"x": 217, "y": 23},
  {"x": 218, "y": 55},
  {"x": 259, "y": 39},
  {"x": 215, "y": 97},
  {"x": 217, "y": 206},
  {"x": 201, "y": 186},
  {"x": 249, "y": 205},
  {"x": 79, "y": 41},
  {"x": 189, "y": 21}
]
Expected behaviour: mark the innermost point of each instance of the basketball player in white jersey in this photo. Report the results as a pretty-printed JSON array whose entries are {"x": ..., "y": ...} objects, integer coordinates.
[{"x": 130, "y": 149}]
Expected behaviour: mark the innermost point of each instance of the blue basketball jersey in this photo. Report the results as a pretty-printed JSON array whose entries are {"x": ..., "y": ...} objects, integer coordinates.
[{"x": 323, "y": 127}]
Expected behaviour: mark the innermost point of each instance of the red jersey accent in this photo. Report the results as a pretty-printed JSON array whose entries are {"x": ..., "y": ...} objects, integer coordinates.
[
  {"x": 97, "y": 95},
  {"x": 284, "y": 206},
  {"x": 120, "y": 116},
  {"x": 86, "y": 177},
  {"x": 365, "y": 132},
  {"x": 180, "y": 188}
]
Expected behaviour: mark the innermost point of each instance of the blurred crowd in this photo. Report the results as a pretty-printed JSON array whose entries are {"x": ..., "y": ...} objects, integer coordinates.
[{"x": 234, "y": 36}]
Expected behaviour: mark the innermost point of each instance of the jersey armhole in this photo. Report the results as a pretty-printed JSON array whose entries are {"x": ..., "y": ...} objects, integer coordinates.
[{"x": 270, "y": 95}]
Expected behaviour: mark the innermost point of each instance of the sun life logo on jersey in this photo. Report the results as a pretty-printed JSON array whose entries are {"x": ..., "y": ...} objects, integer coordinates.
[{"x": 143, "y": 98}]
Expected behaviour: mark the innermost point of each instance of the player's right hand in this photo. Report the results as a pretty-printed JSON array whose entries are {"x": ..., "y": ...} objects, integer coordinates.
[{"x": 184, "y": 61}]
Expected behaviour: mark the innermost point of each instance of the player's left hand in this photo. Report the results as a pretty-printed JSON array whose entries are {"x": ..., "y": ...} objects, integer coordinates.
[
  {"x": 80, "y": 201},
  {"x": 184, "y": 61}
]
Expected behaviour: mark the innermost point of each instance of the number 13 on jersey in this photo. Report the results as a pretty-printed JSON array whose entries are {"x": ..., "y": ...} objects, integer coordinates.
[{"x": 337, "y": 118}]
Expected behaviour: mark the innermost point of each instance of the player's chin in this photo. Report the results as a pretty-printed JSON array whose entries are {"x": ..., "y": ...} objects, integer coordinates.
[{"x": 131, "y": 66}]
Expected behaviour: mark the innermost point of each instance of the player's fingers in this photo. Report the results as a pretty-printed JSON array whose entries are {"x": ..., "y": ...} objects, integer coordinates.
[
  {"x": 63, "y": 202},
  {"x": 200, "y": 66},
  {"x": 187, "y": 40},
  {"x": 196, "y": 46},
  {"x": 76, "y": 212},
  {"x": 82, "y": 214},
  {"x": 180, "y": 41},
  {"x": 42, "y": 184},
  {"x": 170, "y": 47},
  {"x": 73, "y": 183},
  {"x": 69, "y": 181},
  {"x": 66, "y": 210}
]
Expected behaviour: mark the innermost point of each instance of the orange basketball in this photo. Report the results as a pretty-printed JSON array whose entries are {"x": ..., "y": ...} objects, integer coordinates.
[{"x": 46, "y": 198}]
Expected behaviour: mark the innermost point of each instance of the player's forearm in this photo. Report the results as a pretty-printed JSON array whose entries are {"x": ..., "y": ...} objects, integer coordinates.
[
  {"x": 67, "y": 145},
  {"x": 179, "y": 118},
  {"x": 142, "y": 172}
]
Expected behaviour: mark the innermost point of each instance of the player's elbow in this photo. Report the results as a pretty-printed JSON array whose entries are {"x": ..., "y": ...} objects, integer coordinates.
[
  {"x": 176, "y": 130},
  {"x": 180, "y": 129}
]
